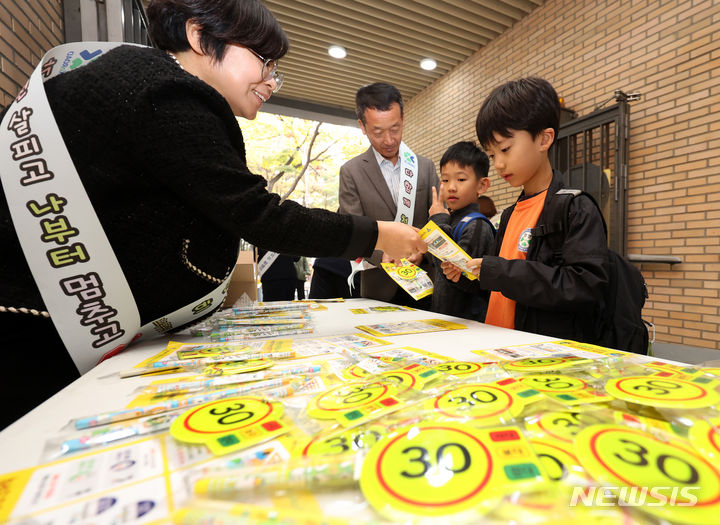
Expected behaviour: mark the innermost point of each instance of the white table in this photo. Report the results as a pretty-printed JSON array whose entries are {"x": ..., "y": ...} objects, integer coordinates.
[{"x": 100, "y": 390}]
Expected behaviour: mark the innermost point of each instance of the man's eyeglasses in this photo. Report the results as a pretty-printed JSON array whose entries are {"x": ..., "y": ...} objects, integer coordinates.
[{"x": 269, "y": 70}]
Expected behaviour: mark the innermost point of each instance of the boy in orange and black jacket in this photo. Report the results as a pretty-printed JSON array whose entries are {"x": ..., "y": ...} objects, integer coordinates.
[{"x": 532, "y": 289}]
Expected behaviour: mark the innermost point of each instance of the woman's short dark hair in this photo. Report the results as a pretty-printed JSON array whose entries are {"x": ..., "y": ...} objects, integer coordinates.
[
  {"x": 466, "y": 153},
  {"x": 246, "y": 22},
  {"x": 379, "y": 96},
  {"x": 529, "y": 104}
]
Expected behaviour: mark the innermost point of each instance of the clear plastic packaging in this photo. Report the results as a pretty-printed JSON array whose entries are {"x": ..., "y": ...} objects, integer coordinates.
[
  {"x": 316, "y": 473},
  {"x": 203, "y": 364},
  {"x": 208, "y": 512},
  {"x": 272, "y": 390},
  {"x": 270, "y": 377},
  {"x": 259, "y": 321},
  {"x": 413, "y": 279},
  {"x": 74, "y": 442}
]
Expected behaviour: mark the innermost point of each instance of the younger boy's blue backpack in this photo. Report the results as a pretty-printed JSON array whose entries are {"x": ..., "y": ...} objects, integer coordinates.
[
  {"x": 621, "y": 325},
  {"x": 460, "y": 226},
  {"x": 477, "y": 304}
]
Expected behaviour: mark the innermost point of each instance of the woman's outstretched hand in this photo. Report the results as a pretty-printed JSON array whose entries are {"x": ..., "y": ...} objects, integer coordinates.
[{"x": 398, "y": 240}]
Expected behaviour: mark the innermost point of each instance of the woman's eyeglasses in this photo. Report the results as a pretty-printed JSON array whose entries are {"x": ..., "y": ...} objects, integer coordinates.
[{"x": 269, "y": 70}]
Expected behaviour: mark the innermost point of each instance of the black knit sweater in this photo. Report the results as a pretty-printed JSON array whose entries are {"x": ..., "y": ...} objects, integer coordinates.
[{"x": 162, "y": 159}]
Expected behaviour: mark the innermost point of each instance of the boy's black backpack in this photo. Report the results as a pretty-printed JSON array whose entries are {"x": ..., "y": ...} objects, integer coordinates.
[{"x": 621, "y": 325}]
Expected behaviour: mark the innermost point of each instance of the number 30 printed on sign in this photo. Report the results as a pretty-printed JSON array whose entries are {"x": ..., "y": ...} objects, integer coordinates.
[
  {"x": 447, "y": 469},
  {"x": 230, "y": 424}
]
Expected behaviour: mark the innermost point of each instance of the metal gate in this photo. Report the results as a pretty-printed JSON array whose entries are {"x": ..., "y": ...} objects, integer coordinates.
[
  {"x": 591, "y": 153},
  {"x": 106, "y": 20}
]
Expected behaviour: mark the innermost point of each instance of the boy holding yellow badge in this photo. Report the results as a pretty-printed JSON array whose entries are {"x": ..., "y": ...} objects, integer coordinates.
[{"x": 463, "y": 178}]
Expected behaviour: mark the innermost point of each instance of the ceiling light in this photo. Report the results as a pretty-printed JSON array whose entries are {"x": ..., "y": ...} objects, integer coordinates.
[
  {"x": 428, "y": 64},
  {"x": 337, "y": 52}
]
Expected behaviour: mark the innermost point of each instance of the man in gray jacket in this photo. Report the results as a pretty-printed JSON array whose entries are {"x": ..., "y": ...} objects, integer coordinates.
[{"x": 387, "y": 182}]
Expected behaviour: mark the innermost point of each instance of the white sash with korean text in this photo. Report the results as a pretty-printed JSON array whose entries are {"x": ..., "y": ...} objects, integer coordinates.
[
  {"x": 408, "y": 185},
  {"x": 265, "y": 262},
  {"x": 405, "y": 201},
  {"x": 73, "y": 264}
]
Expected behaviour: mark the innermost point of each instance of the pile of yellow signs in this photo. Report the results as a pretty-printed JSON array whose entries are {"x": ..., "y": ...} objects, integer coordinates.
[{"x": 552, "y": 438}]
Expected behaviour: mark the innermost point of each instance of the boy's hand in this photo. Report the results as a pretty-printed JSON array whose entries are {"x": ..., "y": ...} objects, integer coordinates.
[
  {"x": 452, "y": 272},
  {"x": 474, "y": 266},
  {"x": 437, "y": 205}
]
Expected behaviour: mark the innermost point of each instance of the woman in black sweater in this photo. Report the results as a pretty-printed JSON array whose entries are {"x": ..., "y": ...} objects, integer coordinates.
[{"x": 154, "y": 138}]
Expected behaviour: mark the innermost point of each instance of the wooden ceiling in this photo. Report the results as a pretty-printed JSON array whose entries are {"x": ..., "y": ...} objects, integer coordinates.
[{"x": 385, "y": 41}]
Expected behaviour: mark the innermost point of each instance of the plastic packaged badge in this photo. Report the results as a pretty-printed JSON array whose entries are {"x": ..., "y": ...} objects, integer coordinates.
[
  {"x": 244, "y": 513},
  {"x": 413, "y": 279},
  {"x": 666, "y": 392},
  {"x": 342, "y": 441},
  {"x": 355, "y": 403},
  {"x": 482, "y": 404},
  {"x": 449, "y": 470},
  {"x": 568, "y": 389},
  {"x": 232, "y": 424},
  {"x": 674, "y": 481},
  {"x": 317, "y": 473}
]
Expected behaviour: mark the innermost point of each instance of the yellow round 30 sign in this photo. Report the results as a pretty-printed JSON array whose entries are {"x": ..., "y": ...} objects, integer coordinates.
[
  {"x": 446, "y": 469},
  {"x": 407, "y": 272},
  {"x": 535, "y": 364},
  {"x": 561, "y": 425},
  {"x": 567, "y": 389},
  {"x": 668, "y": 478},
  {"x": 666, "y": 392},
  {"x": 354, "y": 403},
  {"x": 460, "y": 368},
  {"x": 348, "y": 441},
  {"x": 230, "y": 424}
]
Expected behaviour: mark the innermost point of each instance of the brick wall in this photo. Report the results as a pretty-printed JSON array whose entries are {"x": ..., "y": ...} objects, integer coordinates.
[
  {"x": 28, "y": 29},
  {"x": 670, "y": 52}
]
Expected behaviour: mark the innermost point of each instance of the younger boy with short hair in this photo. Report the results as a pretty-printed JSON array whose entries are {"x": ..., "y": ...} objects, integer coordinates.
[
  {"x": 533, "y": 288},
  {"x": 463, "y": 177}
]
